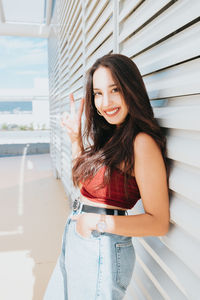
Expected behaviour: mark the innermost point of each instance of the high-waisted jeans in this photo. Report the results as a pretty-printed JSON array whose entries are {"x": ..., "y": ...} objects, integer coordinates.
[{"x": 96, "y": 268}]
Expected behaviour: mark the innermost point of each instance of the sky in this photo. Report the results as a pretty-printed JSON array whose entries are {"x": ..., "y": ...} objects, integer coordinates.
[{"x": 22, "y": 60}]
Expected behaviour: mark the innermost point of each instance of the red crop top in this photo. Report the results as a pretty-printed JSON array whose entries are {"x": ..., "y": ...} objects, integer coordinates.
[{"x": 113, "y": 193}]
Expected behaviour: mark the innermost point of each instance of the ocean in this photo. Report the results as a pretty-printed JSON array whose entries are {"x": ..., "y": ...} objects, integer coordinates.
[{"x": 13, "y": 107}]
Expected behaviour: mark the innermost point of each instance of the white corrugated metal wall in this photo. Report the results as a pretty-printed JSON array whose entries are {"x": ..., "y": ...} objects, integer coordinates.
[{"x": 163, "y": 39}]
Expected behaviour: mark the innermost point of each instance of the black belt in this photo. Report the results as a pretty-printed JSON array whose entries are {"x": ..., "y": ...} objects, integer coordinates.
[
  {"x": 97, "y": 210},
  {"x": 102, "y": 210}
]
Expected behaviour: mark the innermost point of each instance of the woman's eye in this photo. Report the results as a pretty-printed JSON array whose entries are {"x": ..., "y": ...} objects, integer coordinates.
[
  {"x": 115, "y": 90},
  {"x": 96, "y": 94}
]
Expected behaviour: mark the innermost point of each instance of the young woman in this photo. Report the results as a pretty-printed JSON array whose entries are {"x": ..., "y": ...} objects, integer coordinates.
[{"x": 122, "y": 159}]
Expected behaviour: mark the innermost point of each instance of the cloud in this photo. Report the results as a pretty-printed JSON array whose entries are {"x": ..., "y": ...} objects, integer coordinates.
[
  {"x": 29, "y": 59},
  {"x": 21, "y": 60},
  {"x": 27, "y": 72},
  {"x": 19, "y": 42},
  {"x": 22, "y": 52}
]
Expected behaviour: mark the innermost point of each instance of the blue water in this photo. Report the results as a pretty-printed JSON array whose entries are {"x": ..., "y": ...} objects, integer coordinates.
[{"x": 12, "y": 106}]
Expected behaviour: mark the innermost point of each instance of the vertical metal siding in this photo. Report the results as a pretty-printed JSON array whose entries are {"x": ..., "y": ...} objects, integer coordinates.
[{"x": 163, "y": 39}]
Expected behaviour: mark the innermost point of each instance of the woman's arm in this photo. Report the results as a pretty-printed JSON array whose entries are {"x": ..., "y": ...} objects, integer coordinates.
[
  {"x": 151, "y": 178},
  {"x": 76, "y": 148}
]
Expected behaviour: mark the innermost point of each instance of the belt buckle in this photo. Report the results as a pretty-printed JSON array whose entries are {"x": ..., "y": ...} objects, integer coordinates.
[{"x": 76, "y": 204}]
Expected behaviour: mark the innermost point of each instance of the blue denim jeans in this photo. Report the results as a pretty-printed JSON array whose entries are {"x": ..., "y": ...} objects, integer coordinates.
[{"x": 96, "y": 268}]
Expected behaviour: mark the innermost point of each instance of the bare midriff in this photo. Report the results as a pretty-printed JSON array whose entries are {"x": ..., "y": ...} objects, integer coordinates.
[{"x": 88, "y": 202}]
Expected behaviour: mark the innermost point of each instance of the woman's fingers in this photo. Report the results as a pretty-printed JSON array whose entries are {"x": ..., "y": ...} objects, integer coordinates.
[
  {"x": 74, "y": 217},
  {"x": 71, "y": 121},
  {"x": 72, "y": 104},
  {"x": 73, "y": 108}
]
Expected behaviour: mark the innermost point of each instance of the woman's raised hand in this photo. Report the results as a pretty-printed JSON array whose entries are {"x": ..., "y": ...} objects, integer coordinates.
[{"x": 72, "y": 121}]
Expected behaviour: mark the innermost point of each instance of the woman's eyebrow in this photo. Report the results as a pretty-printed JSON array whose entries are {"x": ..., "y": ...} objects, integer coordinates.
[{"x": 110, "y": 85}]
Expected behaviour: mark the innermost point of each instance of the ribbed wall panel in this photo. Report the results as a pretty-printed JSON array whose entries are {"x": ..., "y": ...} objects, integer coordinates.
[{"x": 163, "y": 39}]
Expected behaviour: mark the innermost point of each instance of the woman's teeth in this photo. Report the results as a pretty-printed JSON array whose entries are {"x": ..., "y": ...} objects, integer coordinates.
[{"x": 112, "y": 112}]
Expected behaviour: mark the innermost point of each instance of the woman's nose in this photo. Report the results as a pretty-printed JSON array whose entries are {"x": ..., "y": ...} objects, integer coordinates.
[{"x": 106, "y": 100}]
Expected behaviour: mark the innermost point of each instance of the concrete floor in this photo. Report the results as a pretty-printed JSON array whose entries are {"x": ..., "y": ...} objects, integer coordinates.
[{"x": 33, "y": 212}]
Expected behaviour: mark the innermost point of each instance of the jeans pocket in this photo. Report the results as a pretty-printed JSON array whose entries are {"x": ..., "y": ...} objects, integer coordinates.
[
  {"x": 125, "y": 258},
  {"x": 88, "y": 239}
]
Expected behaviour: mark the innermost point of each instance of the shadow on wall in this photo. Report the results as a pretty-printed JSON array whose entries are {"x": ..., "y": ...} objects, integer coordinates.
[{"x": 33, "y": 211}]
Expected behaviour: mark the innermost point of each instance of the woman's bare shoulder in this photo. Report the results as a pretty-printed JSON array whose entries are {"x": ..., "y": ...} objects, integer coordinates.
[{"x": 143, "y": 143}]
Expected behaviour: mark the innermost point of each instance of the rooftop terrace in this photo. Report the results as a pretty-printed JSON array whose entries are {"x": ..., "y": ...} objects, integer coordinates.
[{"x": 33, "y": 211}]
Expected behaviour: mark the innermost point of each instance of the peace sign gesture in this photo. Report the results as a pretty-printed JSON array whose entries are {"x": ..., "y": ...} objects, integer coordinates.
[{"x": 72, "y": 121}]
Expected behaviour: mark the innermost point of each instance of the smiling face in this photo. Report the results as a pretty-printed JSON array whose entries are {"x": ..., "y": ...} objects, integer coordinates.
[{"x": 107, "y": 98}]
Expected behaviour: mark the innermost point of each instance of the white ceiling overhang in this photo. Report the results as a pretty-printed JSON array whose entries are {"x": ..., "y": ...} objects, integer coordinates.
[{"x": 25, "y": 17}]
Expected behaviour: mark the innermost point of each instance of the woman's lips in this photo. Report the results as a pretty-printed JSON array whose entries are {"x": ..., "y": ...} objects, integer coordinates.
[{"x": 112, "y": 112}]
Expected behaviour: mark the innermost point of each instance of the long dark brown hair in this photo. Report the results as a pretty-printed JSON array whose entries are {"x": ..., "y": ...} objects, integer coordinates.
[{"x": 110, "y": 145}]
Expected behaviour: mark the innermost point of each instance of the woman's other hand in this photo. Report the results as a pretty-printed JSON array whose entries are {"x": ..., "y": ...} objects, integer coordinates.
[
  {"x": 71, "y": 121},
  {"x": 86, "y": 223}
]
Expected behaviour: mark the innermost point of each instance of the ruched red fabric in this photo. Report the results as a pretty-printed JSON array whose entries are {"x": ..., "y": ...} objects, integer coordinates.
[{"x": 114, "y": 192}]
